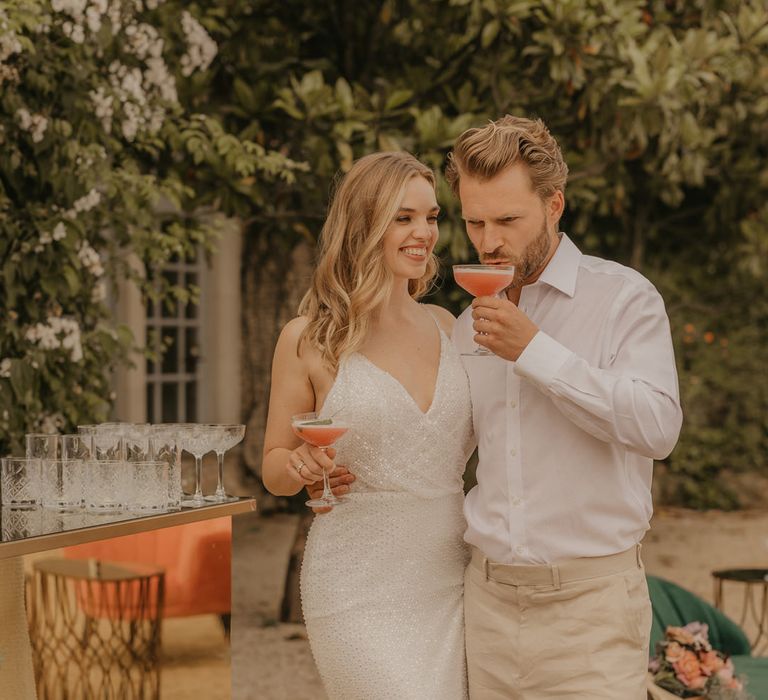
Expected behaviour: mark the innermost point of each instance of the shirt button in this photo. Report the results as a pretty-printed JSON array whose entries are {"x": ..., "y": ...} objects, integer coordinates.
[
  {"x": 516, "y": 501},
  {"x": 512, "y": 451},
  {"x": 519, "y": 549},
  {"x": 512, "y": 403}
]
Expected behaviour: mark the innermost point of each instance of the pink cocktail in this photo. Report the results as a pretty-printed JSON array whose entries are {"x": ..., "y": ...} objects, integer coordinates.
[
  {"x": 322, "y": 433},
  {"x": 483, "y": 280},
  {"x": 319, "y": 435}
]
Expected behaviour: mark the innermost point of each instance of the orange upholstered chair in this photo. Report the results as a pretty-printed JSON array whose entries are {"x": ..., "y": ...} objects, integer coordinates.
[{"x": 196, "y": 558}]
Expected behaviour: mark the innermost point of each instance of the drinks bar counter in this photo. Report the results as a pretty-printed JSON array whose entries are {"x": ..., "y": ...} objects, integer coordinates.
[{"x": 39, "y": 530}]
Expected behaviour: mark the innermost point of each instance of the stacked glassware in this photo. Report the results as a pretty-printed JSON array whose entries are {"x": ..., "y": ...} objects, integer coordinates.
[{"x": 115, "y": 467}]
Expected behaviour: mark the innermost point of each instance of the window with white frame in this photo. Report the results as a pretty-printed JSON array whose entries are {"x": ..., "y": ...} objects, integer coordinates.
[{"x": 174, "y": 335}]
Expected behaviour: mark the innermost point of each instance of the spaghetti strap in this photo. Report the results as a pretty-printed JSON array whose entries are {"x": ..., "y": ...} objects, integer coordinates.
[{"x": 433, "y": 317}]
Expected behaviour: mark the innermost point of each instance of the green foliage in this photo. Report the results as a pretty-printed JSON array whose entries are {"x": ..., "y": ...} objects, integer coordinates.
[
  {"x": 104, "y": 174},
  {"x": 659, "y": 106}
]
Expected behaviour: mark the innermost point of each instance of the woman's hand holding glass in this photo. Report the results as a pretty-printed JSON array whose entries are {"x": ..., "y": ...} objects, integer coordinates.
[{"x": 307, "y": 462}]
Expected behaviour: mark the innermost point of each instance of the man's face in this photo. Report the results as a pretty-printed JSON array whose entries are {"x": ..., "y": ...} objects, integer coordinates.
[{"x": 507, "y": 222}]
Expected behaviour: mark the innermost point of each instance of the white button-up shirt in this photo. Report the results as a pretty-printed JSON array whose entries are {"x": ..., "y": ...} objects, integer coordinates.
[{"x": 567, "y": 435}]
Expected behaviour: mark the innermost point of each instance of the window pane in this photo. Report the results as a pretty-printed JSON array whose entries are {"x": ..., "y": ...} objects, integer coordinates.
[
  {"x": 170, "y": 307},
  {"x": 192, "y": 402},
  {"x": 171, "y": 352},
  {"x": 151, "y": 403},
  {"x": 170, "y": 402},
  {"x": 192, "y": 348},
  {"x": 191, "y": 310}
]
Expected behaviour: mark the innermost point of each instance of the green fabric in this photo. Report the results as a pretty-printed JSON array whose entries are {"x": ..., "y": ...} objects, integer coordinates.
[
  {"x": 755, "y": 670},
  {"x": 673, "y": 605}
]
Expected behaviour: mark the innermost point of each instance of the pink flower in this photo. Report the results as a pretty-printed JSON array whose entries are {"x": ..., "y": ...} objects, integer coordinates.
[
  {"x": 711, "y": 662},
  {"x": 688, "y": 671},
  {"x": 673, "y": 652},
  {"x": 680, "y": 634}
]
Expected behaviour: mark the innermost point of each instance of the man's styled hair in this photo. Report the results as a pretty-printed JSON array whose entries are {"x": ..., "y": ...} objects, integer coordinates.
[{"x": 486, "y": 151}]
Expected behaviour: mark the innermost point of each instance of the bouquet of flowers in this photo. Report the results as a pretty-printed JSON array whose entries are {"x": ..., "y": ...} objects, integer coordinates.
[{"x": 687, "y": 666}]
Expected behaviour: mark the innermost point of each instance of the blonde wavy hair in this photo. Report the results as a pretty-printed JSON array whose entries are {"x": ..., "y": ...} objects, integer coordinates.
[
  {"x": 351, "y": 282},
  {"x": 484, "y": 152}
]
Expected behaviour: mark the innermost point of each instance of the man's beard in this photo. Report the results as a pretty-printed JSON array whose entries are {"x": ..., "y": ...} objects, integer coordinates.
[{"x": 530, "y": 261}]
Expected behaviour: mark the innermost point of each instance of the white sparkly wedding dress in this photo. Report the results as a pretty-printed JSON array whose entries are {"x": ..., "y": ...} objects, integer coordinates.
[{"x": 382, "y": 577}]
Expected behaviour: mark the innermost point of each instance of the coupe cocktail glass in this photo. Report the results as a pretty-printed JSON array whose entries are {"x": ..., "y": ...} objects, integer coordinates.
[
  {"x": 198, "y": 441},
  {"x": 322, "y": 433},
  {"x": 483, "y": 281},
  {"x": 227, "y": 436}
]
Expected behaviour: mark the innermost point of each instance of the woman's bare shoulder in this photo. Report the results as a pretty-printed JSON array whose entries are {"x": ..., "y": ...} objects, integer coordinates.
[
  {"x": 291, "y": 341},
  {"x": 444, "y": 317}
]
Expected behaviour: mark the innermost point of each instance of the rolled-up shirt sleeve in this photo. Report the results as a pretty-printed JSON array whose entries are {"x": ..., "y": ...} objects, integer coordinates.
[{"x": 633, "y": 399}]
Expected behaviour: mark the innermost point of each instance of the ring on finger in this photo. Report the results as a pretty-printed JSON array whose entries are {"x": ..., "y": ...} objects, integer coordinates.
[{"x": 299, "y": 467}]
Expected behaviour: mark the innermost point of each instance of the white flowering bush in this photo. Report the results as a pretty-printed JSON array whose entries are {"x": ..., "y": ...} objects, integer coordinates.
[{"x": 101, "y": 162}]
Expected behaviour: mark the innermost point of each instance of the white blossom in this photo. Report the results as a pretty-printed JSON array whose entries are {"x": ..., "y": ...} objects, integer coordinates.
[
  {"x": 59, "y": 231},
  {"x": 87, "y": 202},
  {"x": 73, "y": 8},
  {"x": 9, "y": 45},
  {"x": 57, "y": 333},
  {"x": 103, "y": 108},
  {"x": 143, "y": 40},
  {"x": 90, "y": 259},
  {"x": 35, "y": 124},
  {"x": 93, "y": 19},
  {"x": 158, "y": 75},
  {"x": 130, "y": 125},
  {"x": 201, "y": 48},
  {"x": 5, "y": 367},
  {"x": 74, "y": 31},
  {"x": 99, "y": 292}
]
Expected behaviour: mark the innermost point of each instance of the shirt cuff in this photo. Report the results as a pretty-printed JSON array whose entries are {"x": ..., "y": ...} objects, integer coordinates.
[{"x": 542, "y": 359}]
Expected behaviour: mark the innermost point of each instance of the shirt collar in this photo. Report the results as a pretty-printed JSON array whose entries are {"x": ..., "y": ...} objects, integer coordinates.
[{"x": 563, "y": 268}]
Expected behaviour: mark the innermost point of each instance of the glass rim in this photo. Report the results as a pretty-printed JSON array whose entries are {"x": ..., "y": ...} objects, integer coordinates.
[
  {"x": 487, "y": 269},
  {"x": 301, "y": 418}
]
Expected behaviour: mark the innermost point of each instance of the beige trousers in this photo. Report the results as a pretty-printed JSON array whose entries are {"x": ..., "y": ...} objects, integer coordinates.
[{"x": 577, "y": 630}]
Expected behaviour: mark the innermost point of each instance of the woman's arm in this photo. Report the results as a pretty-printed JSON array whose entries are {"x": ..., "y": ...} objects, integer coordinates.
[{"x": 291, "y": 393}]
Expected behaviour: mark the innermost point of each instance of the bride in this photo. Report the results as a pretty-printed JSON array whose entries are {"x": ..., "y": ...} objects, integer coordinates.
[{"x": 382, "y": 578}]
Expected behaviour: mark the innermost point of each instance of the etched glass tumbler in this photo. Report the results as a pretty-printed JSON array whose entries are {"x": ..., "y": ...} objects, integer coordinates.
[
  {"x": 43, "y": 446},
  {"x": 148, "y": 488},
  {"x": 137, "y": 442},
  {"x": 106, "y": 484},
  {"x": 166, "y": 447},
  {"x": 76, "y": 446},
  {"x": 106, "y": 440},
  {"x": 20, "y": 482},
  {"x": 62, "y": 483}
]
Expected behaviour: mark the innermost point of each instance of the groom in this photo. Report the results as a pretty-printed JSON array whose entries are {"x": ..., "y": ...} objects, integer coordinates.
[{"x": 578, "y": 400}]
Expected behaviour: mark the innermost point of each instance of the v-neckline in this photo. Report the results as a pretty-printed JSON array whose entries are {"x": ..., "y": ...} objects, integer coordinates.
[{"x": 402, "y": 386}]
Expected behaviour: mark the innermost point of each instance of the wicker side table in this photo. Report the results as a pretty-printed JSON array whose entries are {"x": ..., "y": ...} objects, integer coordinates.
[{"x": 95, "y": 629}]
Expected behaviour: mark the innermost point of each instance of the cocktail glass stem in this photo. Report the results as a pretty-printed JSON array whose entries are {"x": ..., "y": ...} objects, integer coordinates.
[
  {"x": 327, "y": 493},
  {"x": 198, "y": 478},
  {"x": 220, "y": 492}
]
